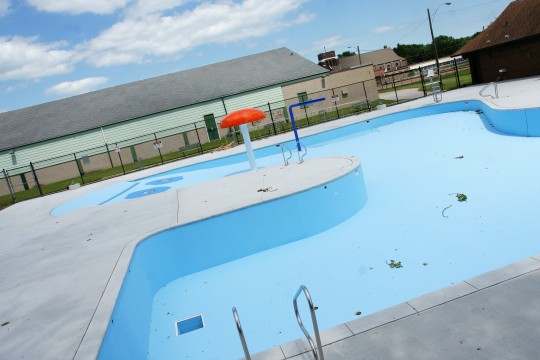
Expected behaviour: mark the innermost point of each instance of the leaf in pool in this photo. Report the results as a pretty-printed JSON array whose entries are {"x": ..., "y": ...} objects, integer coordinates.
[
  {"x": 394, "y": 264},
  {"x": 461, "y": 197}
]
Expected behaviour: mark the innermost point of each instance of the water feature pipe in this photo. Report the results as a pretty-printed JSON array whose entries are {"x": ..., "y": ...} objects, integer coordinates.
[
  {"x": 241, "y": 118},
  {"x": 298, "y": 146}
]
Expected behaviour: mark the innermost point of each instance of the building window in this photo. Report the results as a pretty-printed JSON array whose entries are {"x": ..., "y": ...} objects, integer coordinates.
[
  {"x": 323, "y": 82},
  {"x": 345, "y": 92}
]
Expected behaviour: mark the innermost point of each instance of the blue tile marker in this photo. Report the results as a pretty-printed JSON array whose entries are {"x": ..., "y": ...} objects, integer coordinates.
[
  {"x": 190, "y": 324},
  {"x": 298, "y": 146}
]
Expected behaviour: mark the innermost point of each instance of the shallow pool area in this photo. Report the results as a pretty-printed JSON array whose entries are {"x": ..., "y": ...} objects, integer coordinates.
[{"x": 413, "y": 172}]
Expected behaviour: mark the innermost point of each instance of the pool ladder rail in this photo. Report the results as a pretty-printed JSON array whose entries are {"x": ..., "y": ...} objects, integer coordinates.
[
  {"x": 317, "y": 352},
  {"x": 316, "y": 348},
  {"x": 481, "y": 92},
  {"x": 283, "y": 147},
  {"x": 241, "y": 334},
  {"x": 286, "y": 159}
]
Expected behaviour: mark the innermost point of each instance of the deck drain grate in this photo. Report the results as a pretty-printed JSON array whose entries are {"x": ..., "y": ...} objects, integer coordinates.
[{"x": 190, "y": 324}]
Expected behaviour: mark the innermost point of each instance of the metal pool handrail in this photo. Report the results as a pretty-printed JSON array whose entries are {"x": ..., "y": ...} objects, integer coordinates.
[
  {"x": 241, "y": 333},
  {"x": 301, "y": 157},
  {"x": 317, "y": 352},
  {"x": 283, "y": 147},
  {"x": 485, "y": 87}
]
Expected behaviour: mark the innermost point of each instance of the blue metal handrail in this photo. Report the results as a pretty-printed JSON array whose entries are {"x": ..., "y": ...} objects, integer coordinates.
[{"x": 298, "y": 146}]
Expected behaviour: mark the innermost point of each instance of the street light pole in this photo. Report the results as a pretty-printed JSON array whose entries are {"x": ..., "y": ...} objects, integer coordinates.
[
  {"x": 434, "y": 42},
  {"x": 358, "y": 49}
]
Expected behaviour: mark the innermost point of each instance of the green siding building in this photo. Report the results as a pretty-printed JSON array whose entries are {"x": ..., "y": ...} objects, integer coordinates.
[{"x": 186, "y": 105}]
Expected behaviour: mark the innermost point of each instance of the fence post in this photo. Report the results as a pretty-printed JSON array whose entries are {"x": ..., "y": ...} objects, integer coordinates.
[
  {"x": 272, "y": 118},
  {"x": 395, "y": 90},
  {"x": 36, "y": 179},
  {"x": 158, "y": 149},
  {"x": 422, "y": 81},
  {"x": 109, "y": 155},
  {"x": 458, "y": 82},
  {"x": 81, "y": 173},
  {"x": 365, "y": 93},
  {"x": 117, "y": 149},
  {"x": 10, "y": 187},
  {"x": 335, "y": 103},
  {"x": 199, "y": 138}
]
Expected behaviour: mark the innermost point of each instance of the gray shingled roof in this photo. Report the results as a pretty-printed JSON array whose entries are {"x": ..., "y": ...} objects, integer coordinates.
[{"x": 124, "y": 102}]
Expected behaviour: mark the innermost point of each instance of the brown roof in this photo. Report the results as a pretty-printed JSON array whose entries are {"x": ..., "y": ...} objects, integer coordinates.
[{"x": 520, "y": 20}]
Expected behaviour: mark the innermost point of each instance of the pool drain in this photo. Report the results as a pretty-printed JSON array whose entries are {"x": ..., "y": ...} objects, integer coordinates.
[{"x": 190, "y": 324}]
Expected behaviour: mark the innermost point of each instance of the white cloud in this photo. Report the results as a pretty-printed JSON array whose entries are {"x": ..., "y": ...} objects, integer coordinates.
[
  {"x": 329, "y": 43},
  {"x": 69, "y": 88},
  {"x": 25, "y": 58},
  {"x": 155, "y": 35},
  {"x": 79, "y": 6},
  {"x": 4, "y": 7},
  {"x": 381, "y": 29},
  {"x": 145, "y": 8}
]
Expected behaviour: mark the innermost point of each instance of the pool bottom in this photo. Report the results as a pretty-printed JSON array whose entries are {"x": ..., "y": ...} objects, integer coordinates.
[{"x": 202, "y": 245}]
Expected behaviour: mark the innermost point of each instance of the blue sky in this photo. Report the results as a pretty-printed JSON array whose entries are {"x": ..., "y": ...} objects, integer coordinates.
[{"x": 52, "y": 49}]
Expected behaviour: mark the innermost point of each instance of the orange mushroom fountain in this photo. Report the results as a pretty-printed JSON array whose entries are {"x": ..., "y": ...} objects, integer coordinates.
[{"x": 241, "y": 118}]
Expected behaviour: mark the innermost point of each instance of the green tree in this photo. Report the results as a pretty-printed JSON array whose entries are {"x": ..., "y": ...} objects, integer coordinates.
[
  {"x": 345, "y": 54},
  {"x": 446, "y": 46}
]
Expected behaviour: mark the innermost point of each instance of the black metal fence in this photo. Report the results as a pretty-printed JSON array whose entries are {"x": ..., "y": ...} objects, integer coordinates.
[
  {"x": 71, "y": 170},
  {"x": 414, "y": 83}
]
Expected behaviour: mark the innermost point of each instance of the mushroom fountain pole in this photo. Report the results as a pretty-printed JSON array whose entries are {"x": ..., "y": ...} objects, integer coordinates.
[{"x": 241, "y": 118}]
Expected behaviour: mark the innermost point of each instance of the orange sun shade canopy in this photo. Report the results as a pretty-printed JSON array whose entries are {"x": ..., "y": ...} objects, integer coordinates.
[{"x": 240, "y": 117}]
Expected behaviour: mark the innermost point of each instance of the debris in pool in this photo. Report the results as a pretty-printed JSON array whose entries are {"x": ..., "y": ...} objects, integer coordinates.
[
  {"x": 358, "y": 313},
  {"x": 315, "y": 308},
  {"x": 394, "y": 264},
  {"x": 448, "y": 207},
  {"x": 425, "y": 264},
  {"x": 461, "y": 197},
  {"x": 268, "y": 189},
  {"x": 6, "y": 323},
  {"x": 459, "y": 157}
]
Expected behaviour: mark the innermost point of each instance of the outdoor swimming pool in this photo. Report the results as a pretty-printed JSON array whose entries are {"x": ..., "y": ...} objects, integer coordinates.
[{"x": 413, "y": 170}]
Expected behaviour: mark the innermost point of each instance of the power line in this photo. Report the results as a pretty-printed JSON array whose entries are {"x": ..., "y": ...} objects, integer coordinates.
[
  {"x": 413, "y": 30},
  {"x": 446, "y": 12}
]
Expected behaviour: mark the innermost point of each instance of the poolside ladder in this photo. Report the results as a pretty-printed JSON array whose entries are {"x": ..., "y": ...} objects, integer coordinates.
[
  {"x": 315, "y": 348},
  {"x": 481, "y": 92},
  {"x": 241, "y": 333},
  {"x": 317, "y": 352},
  {"x": 283, "y": 147},
  {"x": 436, "y": 91}
]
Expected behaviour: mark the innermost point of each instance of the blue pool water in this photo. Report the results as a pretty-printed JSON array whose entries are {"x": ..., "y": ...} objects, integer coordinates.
[{"x": 412, "y": 171}]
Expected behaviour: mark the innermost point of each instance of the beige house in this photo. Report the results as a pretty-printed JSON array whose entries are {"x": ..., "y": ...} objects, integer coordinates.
[{"x": 347, "y": 89}]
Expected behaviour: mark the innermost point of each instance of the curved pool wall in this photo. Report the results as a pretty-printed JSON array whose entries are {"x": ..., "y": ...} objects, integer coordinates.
[
  {"x": 187, "y": 249},
  {"x": 517, "y": 122}
]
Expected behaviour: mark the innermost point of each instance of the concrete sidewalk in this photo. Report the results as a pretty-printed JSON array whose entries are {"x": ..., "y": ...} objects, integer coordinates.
[{"x": 491, "y": 316}]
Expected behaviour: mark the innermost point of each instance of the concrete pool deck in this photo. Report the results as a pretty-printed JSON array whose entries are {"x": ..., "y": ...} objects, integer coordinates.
[{"x": 56, "y": 272}]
